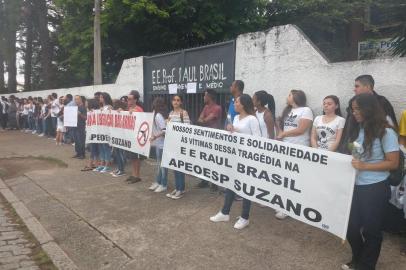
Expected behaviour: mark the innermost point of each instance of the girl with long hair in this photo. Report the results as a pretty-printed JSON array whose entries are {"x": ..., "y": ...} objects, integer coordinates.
[
  {"x": 245, "y": 122},
  {"x": 265, "y": 112},
  {"x": 179, "y": 115},
  {"x": 157, "y": 140},
  {"x": 295, "y": 124},
  {"x": 106, "y": 103},
  {"x": 377, "y": 154},
  {"x": 328, "y": 128}
]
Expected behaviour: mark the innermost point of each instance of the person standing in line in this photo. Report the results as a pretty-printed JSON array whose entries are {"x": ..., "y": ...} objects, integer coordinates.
[
  {"x": 294, "y": 125},
  {"x": 157, "y": 140},
  {"x": 93, "y": 163},
  {"x": 80, "y": 130},
  {"x": 178, "y": 115},
  {"x": 106, "y": 104},
  {"x": 135, "y": 105},
  {"x": 210, "y": 117},
  {"x": 12, "y": 113},
  {"x": 378, "y": 155},
  {"x": 328, "y": 128},
  {"x": 236, "y": 90},
  {"x": 265, "y": 106},
  {"x": 55, "y": 108},
  {"x": 245, "y": 122},
  {"x": 365, "y": 84},
  {"x": 4, "y": 111},
  {"x": 118, "y": 154},
  {"x": 60, "y": 128}
]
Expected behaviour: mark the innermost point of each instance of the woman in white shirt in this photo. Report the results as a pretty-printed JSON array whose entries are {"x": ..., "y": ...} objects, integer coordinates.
[
  {"x": 328, "y": 128},
  {"x": 265, "y": 108},
  {"x": 157, "y": 140},
  {"x": 246, "y": 123},
  {"x": 295, "y": 124}
]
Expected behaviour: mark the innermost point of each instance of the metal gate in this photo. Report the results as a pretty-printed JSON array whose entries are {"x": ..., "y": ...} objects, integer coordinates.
[{"x": 211, "y": 66}]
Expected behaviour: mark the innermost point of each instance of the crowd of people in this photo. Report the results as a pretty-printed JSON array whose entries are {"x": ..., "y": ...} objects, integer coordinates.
[{"x": 370, "y": 121}]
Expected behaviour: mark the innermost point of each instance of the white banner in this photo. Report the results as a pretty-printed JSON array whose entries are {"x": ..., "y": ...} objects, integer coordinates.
[
  {"x": 123, "y": 130},
  {"x": 310, "y": 185},
  {"x": 70, "y": 116}
]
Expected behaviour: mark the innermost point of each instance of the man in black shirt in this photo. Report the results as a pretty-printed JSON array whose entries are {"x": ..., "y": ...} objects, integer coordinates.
[
  {"x": 80, "y": 130},
  {"x": 365, "y": 84}
]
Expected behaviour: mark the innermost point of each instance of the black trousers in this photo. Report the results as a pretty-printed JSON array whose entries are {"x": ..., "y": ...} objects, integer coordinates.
[
  {"x": 366, "y": 221},
  {"x": 79, "y": 134},
  {"x": 3, "y": 120}
]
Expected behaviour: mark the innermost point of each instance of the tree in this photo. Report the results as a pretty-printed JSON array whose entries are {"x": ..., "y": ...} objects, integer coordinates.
[
  {"x": 11, "y": 23},
  {"x": 28, "y": 48},
  {"x": 46, "y": 55},
  {"x": 2, "y": 51}
]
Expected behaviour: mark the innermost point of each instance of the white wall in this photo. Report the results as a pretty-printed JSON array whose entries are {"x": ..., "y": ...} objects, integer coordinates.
[
  {"x": 282, "y": 59},
  {"x": 278, "y": 60},
  {"x": 129, "y": 78}
]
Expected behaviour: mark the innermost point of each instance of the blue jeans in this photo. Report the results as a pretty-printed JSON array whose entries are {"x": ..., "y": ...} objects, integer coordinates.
[
  {"x": 179, "y": 181},
  {"x": 119, "y": 158},
  {"x": 228, "y": 202},
  {"x": 38, "y": 122},
  {"x": 94, "y": 151},
  {"x": 44, "y": 126},
  {"x": 162, "y": 176},
  {"x": 105, "y": 152},
  {"x": 53, "y": 123}
]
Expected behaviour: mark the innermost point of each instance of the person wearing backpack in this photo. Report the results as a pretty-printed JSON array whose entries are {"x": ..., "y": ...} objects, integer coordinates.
[{"x": 378, "y": 154}]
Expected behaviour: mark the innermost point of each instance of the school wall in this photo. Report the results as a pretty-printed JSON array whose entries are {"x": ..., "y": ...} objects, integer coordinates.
[
  {"x": 278, "y": 60},
  {"x": 283, "y": 58},
  {"x": 129, "y": 78}
]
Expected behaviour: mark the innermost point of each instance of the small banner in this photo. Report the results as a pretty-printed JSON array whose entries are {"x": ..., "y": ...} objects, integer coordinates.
[
  {"x": 128, "y": 131},
  {"x": 310, "y": 185}
]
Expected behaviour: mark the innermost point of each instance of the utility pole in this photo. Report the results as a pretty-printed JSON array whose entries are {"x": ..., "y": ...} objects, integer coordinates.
[{"x": 97, "y": 76}]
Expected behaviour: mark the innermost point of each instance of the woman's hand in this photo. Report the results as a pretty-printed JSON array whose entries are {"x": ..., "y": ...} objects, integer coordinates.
[
  {"x": 153, "y": 138},
  {"x": 230, "y": 128},
  {"x": 280, "y": 136},
  {"x": 358, "y": 164}
]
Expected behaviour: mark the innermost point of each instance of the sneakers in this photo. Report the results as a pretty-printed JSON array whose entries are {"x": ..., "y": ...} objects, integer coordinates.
[
  {"x": 280, "y": 215},
  {"x": 34, "y": 132},
  {"x": 349, "y": 266},
  {"x": 114, "y": 172},
  {"x": 118, "y": 174},
  {"x": 241, "y": 223},
  {"x": 41, "y": 135},
  {"x": 153, "y": 186},
  {"x": 105, "y": 169},
  {"x": 178, "y": 195},
  {"x": 220, "y": 217},
  {"x": 160, "y": 189},
  {"x": 169, "y": 195},
  {"x": 98, "y": 168}
]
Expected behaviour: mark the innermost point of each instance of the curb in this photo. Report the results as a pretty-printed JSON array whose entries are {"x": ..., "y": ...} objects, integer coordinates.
[{"x": 47, "y": 243}]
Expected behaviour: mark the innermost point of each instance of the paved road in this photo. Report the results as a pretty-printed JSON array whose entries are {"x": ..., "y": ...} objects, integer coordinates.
[{"x": 15, "y": 248}]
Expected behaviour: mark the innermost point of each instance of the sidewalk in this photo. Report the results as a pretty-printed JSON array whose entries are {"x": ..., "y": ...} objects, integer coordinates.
[{"x": 104, "y": 223}]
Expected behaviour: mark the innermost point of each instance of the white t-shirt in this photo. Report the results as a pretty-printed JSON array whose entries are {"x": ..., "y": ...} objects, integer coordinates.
[
  {"x": 262, "y": 124},
  {"x": 55, "y": 108},
  {"x": 292, "y": 122},
  {"x": 247, "y": 125},
  {"x": 157, "y": 128},
  {"x": 327, "y": 132}
]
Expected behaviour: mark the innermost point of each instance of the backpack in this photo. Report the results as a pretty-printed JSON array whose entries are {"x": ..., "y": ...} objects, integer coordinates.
[{"x": 396, "y": 175}]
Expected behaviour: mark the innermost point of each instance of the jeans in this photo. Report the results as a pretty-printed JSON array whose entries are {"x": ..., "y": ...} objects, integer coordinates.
[
  {"x": 38, "y": 123},
  {"x": 80, "y": 139},
  {"x": 53, "y": 125},
  {"x": 365, "y": 225},
  {"x": 162, "y": 176},
  {"x": 94, "y": 151},
  {"x": 228, "y": 202},
  {"x": 119, "y": 158},
  {"x": 44, "y": 126},
  {"x": 105, "y": 152},
  {"x": 179, "y": 181}
]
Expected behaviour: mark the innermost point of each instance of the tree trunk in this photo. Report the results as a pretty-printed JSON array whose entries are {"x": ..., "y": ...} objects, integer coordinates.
[
  {"x": 46, "y": 48},
  {"x": 12, "y": 19},
  {"x": 2, "y": 86},
  {"x": 28, "y": 48}
]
